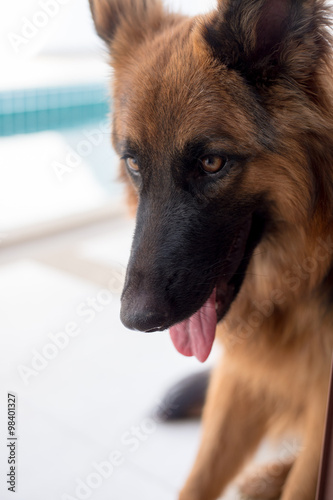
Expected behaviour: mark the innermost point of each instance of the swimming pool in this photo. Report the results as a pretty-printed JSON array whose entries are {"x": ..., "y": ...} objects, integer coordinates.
[
  {"x": 57, "y": 159},
  {"x": 49, "y": 108}
]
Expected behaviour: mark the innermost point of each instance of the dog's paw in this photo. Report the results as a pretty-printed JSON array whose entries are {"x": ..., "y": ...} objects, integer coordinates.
[{"x": 265, "y": 483}]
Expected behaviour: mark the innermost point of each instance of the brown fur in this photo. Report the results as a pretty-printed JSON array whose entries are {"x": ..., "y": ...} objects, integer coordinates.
[{"x": 169, "y": 88}]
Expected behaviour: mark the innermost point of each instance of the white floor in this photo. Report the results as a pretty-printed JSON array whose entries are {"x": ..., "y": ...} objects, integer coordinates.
[{"x": 92, "y": 403}]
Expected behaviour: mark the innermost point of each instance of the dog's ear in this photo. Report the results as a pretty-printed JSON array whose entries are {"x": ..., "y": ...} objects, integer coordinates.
[
  {"x": 262, "y": 38},
  {"x": 126, "y": 21}
]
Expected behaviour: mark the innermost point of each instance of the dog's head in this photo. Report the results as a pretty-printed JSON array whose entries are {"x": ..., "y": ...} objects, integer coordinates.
[{"x": 212, "y": 117}]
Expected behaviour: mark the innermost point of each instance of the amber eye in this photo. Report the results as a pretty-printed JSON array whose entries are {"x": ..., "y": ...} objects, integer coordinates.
[
  {"x": 132, "y": 164},
  {"x": 212, "y": 164}
]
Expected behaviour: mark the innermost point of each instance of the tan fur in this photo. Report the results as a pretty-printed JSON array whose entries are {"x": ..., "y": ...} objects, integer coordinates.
[{"x": 278, "y": 334}]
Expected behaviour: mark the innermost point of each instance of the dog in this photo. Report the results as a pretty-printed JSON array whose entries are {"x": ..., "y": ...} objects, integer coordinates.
[{"x": 224, "y": 126}]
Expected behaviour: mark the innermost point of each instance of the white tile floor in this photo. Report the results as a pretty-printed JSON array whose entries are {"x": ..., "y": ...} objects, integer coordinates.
[{"x": 84, "y": 406}]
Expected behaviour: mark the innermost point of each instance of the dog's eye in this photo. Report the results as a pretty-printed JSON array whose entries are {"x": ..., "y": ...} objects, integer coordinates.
[
  {"x": 212, "y": 164},
  {"x": 132, "y": 164}
]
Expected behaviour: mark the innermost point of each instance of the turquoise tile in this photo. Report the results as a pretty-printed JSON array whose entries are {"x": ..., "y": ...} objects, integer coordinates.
[{"x": 33, "y": 110}]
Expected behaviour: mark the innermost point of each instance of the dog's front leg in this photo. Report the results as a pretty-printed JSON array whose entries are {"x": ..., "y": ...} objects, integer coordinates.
[
  {"x": 234, "y": 422},
  {"x": 302, "y": 480}
]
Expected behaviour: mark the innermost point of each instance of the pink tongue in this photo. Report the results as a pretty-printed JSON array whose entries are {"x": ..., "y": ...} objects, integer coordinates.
[{"x": 195, "y": 335}]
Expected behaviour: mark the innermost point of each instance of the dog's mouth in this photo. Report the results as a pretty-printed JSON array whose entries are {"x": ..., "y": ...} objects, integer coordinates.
[{"x": 195, "y": 335}]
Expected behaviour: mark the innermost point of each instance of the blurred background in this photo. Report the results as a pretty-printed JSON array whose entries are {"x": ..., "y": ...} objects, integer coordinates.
[{"x": 86, "y": 388}]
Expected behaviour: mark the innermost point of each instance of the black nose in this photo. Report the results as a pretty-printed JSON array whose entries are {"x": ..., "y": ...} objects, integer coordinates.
[
  {"x": 145, "y": 321},
  {"x": 143, "y": 314}
]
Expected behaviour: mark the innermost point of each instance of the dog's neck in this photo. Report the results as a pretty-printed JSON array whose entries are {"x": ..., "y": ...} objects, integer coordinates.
[{"x": 294, "y": 264}]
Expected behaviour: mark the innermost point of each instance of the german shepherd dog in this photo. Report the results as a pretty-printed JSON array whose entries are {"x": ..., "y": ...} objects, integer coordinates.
[{"x": 224, "y": 126}]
